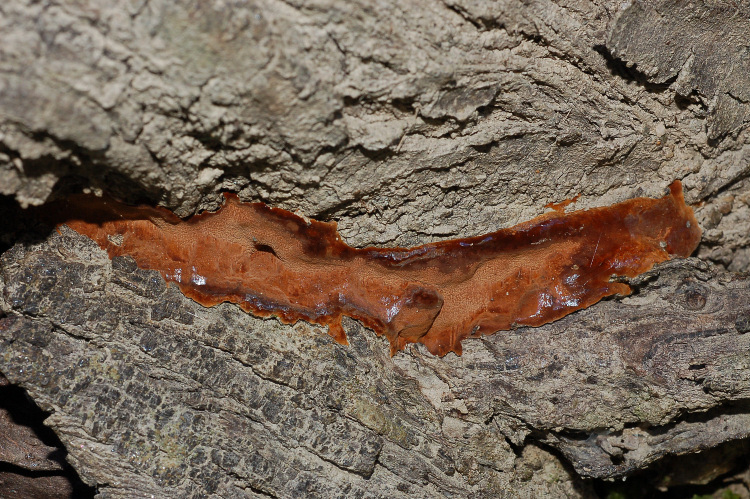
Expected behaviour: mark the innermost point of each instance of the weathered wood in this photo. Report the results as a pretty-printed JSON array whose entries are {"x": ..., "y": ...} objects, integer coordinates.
[{"x": 406, "y": 122}]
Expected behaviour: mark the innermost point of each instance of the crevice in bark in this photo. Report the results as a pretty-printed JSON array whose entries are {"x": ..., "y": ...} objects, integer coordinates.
[
  {"x": 24, "y": 412},
  {"x": 629, "y": 71}
]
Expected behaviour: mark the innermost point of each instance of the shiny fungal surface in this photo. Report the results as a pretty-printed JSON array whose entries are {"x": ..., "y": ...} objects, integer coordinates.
[{"x": 272, "y": 262}]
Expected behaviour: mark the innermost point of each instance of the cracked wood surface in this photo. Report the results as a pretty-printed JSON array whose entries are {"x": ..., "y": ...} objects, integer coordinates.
[{"x": 407, "y": 123}]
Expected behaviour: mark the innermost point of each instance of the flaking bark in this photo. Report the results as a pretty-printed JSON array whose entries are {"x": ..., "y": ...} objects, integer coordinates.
[{"x": 406, "y": 122}]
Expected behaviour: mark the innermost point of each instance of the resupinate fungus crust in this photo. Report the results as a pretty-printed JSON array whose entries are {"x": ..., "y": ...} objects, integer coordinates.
[{"x": 272, "y": 262}]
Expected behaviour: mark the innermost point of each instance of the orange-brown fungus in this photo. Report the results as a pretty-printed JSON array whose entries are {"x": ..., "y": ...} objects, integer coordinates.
[
  {"x": 274, "y": 263},
  {"x": 560, "y": 207}
]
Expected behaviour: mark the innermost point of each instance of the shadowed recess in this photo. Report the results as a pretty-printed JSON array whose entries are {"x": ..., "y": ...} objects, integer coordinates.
[{"x": 272, "y": 262}]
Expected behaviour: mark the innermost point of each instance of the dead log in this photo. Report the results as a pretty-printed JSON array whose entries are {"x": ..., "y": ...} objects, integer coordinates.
[{"x": 407, "y": 122}]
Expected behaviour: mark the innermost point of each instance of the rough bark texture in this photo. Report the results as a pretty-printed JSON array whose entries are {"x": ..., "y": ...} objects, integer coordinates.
[{"x": 406, "y": 122}]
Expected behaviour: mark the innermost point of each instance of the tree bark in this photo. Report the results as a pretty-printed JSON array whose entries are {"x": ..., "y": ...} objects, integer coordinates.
[{"x": 406, "y": 122}]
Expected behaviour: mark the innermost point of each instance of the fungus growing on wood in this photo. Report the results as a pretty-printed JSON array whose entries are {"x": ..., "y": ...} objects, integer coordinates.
[{"x": 272, "y": 262}]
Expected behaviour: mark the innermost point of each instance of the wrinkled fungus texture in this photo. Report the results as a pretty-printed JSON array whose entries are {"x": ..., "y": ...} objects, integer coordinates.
[{"x": 272, "y": 262}]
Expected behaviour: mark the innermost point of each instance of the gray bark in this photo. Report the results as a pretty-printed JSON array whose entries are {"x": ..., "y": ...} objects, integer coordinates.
[{"x": 406, "y": 122}]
